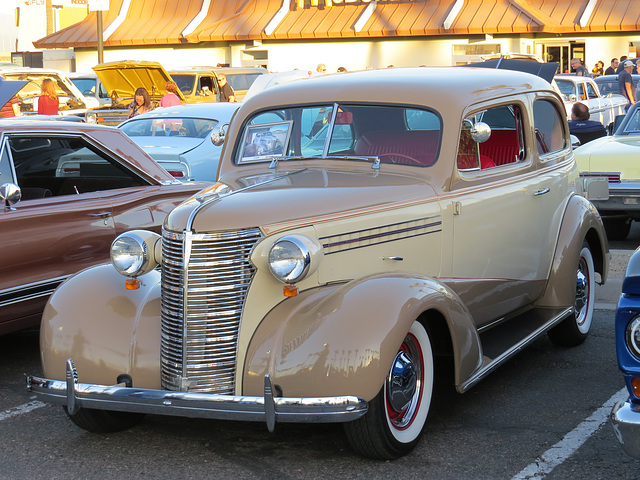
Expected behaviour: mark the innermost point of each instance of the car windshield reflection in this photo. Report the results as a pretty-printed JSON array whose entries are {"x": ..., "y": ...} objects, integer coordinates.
[{"x": 170, "y": 127}]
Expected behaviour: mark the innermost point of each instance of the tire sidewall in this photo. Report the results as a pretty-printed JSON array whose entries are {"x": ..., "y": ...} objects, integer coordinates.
[{"x": 411, "y": 433}]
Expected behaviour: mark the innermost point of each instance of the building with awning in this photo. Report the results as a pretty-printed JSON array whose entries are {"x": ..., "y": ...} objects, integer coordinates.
[{"x": 288, "y": 34}]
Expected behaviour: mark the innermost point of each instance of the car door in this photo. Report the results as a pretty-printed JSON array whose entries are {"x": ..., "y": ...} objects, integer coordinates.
[
  {"x": 63, "y": 224},
  {"x": 554, "y": 175},
  {"x": 496, "y": 265},
  {"x": 599, "y": 108}
]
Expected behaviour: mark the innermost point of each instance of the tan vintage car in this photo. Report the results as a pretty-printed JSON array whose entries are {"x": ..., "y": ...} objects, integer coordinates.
[
  {"x": 355, "y": 244},
  {"x": 67, "y": 190}
]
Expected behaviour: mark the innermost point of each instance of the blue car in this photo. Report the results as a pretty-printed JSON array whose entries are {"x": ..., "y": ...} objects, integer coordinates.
[
  {"x": 626, "y": 415},
  {"x": 179, "y": 138}
]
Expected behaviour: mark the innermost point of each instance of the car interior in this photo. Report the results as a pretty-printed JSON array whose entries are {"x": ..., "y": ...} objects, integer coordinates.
[{"x": 59, "y": 165}]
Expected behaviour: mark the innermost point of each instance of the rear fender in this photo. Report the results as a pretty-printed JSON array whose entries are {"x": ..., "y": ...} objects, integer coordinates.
[
  {"x": 106, "y": 329},
  {"x": 581, "y": 222},
  {"x": 341, "y": 340}
]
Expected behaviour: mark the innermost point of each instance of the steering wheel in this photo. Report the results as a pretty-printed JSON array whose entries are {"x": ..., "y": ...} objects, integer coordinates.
[{"x": 410, "y": 160}]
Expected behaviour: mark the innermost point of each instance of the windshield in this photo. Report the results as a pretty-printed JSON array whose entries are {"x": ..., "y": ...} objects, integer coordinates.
[
  {"x": 185, "y": 82},
  {"x": 566, "y": 87},
  {"x": 87, "y": 86},
  {"x": 392, "y": 134},
  {"x": 241, "y": 81},
  {"x": 167, "y": 126}
]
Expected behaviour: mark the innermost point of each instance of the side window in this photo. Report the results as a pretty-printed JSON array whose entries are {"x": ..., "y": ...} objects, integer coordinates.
[
  {"x": 205, "y": 86},
  {"x": 591, "y": 92},
  {"x": 6, "y": 174},
  {"x": 66, "y": 165},
  {"x": 582, "y": 94},
  {"x": 549, "y": 127},
  {"x": 504, "y": 146}
]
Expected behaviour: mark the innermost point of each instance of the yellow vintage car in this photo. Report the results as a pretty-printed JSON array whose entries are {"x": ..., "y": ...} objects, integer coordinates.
[
  {"x": 200, "y": 84},
  {"x": 610, "y": 175},
  {"x": 121, "y": 80},
  {"x": 354, "y": 247}
]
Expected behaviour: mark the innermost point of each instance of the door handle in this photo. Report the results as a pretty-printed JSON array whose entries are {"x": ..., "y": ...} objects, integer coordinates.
[
  {"x": 541, "y": 191},
  {"x": 101, "y": 214}
]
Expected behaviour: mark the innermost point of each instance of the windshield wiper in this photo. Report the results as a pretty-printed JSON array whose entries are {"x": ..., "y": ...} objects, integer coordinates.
[{"x": 376, "y": 160}]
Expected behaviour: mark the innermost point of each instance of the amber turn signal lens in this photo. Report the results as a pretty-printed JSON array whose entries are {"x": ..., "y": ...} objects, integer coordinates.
[
  {"x": 635, "y": 383},
  {"x": 132, "y": 284},
  {"x": 290, "y": 291}
]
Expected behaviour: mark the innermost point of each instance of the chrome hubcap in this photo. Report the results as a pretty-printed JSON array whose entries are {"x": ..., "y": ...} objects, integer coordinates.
[{"x": 402, "y": 383}]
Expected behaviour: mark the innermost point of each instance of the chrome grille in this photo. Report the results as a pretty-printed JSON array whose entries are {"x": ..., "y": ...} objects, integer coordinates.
[{"x": 202, "y": 306}]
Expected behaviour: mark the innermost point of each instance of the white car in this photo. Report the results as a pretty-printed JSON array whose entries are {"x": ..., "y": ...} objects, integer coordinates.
[
  {"x": 180, "y": 138},
  {"x": 72, "y": 102},
  {"x": 574, "y": 88}
]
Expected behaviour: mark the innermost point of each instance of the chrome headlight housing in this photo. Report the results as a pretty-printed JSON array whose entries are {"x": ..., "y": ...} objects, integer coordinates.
[
  {"x": 136, "y": 252},
  {"x": 91, "y": 118},
  {"x": 632, "y": 336},
  {"x": 291, "y": 258}
]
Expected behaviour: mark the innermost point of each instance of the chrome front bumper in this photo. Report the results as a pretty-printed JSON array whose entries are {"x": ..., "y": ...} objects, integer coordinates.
[
  {"x": 626, "y": 424},
  {"x": 269, "y": 409}
]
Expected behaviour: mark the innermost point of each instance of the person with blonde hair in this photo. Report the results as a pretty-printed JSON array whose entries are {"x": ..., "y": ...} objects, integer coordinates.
[
  {"x": 141, "y": 103},
  {"x": 48, "y": 103},
  {"x": 171, "y": 98}
]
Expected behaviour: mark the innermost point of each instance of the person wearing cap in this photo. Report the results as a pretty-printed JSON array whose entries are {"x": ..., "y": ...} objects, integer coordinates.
[{"x": 625, "y": 82}]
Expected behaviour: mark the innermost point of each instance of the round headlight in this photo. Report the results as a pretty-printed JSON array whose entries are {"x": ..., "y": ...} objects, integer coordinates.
[
  {"x": 289, "y": 259},
  {"x": 135, "y": 253},
  {"x": 633, "y": 337},
  {"x": 91, "y": 118}
]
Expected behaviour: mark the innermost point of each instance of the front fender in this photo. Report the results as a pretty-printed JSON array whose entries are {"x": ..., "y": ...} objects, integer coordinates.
[
  {"x": 580, "y": 222},
  {"x": 106, "y": 329},
  {"x": 341, "y": 340}
]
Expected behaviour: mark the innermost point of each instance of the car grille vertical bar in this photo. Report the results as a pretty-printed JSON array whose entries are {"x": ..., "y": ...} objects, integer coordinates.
[{"x": 205, "y": 279}]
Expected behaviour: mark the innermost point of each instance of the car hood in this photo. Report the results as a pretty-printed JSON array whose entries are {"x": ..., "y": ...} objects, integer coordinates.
[
  {"x": 122, "y": 79},
  {"x": 290, "y": 199},
  {"x": 8, "y": 88},
  {"x": 610, "y": 154},
  {"x": 167, "y": 147}
]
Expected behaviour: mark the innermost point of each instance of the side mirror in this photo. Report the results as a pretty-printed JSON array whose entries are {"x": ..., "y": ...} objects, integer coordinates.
[
  {"x": 10, "y": 194},
  {"x": 217, "y": 137},
  {"x": 575, "y": 141},
  {"x": 480, "y": 132}
]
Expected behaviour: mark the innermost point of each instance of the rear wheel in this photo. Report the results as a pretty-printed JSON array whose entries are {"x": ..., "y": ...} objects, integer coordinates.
[
  {"x": 393, "y": 425},
  {"x": 104, "y": 421},
  {"x": 574, "y": 330}
]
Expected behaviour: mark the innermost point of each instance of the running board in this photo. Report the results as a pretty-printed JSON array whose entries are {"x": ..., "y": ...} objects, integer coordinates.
[{"x": 508, "y": 338}]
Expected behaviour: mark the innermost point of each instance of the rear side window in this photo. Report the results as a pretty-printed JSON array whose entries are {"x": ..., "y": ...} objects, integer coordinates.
[{"x": 549, "y": 127}]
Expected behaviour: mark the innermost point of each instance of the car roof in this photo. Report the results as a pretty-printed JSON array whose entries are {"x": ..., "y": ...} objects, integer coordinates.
[
  {"x": 220, "y": 110},
  {"x": 456, "y": 87}
]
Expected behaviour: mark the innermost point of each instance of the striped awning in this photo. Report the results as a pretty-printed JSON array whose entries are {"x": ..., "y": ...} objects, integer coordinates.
[{"x": 166, "y": 22}]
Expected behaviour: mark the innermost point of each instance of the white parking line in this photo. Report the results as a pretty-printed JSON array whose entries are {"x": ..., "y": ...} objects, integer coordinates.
[
  {"x": 20, "y": 409},
  {"x": 573, "y": 440}
]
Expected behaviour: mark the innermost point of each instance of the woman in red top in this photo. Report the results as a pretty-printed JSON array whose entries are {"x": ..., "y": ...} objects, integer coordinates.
[{"x": 48, "y": 100}]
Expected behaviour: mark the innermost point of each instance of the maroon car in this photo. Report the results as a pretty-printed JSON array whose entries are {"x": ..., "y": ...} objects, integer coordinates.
[{"x": 68, "y": 189}]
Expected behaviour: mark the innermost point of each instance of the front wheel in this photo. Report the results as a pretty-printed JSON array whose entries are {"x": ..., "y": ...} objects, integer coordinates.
[
  {"x": 393, "y": 425},
  {"x": 574, "y": 330},
  {"x": 104, "y": 421}
]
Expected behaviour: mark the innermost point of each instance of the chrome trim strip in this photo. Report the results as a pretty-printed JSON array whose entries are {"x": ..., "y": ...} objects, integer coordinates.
[
  {"x": 216, "y": 197},
  {"x": 499, "y": 360},
  {"x": 199, "y": 405},
  {"x": 30, "y": 291}
]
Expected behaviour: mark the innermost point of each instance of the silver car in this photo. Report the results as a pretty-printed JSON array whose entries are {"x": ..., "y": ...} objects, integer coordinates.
[{"x": 179, "y": 138}]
